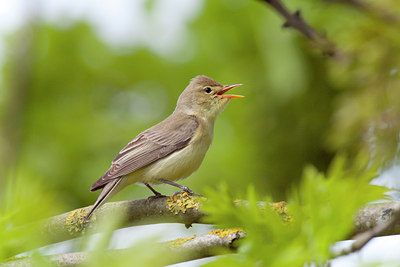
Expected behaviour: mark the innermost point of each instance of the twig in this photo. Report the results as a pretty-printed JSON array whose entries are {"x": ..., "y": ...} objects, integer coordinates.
[
  {"x": 385, "y": 226},
  {"x": 179, "y": 250},
  {"x": 375, "y": 11},
  {"x": 376, "y": 214},
  {"x": 296, "y": 21},
  {"x": 67, "y": 259},
  {"x": 205, "y": 242}
]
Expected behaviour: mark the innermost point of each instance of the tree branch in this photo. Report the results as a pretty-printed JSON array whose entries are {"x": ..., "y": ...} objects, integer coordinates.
[
  {"x": 296, "y": 21},
  {"x": 183, "y": 249},
  {"x": 376, "y": 220},
  {"x": 377, "y": 214},
  {"x": 373, "y": 10},
  {"x": 183, "y": 208}
]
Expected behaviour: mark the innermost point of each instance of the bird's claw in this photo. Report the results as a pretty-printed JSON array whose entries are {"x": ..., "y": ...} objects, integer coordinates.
[
  {"x": 156, "y": 196},
  {"x": 187, "y": 190}
]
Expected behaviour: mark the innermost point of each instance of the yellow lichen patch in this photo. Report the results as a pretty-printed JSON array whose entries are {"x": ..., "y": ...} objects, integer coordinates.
[
  {"x": 226, "y": 232},
  {"x": 177, "y": 243},
  {"x": 281, "y": 208},
  {"x": 75, "y": 221},
  {"x": 182, "y": 201}
]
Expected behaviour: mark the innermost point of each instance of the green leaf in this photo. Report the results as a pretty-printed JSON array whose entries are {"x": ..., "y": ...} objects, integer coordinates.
[{"x": 321, "y": 211}]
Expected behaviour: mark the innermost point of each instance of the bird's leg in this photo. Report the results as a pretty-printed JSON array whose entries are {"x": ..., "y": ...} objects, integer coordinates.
[
  {"x": 184, "y": 188},
  {"x": 156, "y": 194}
]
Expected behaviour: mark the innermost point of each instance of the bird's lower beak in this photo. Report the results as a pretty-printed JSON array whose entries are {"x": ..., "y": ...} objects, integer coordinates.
[{"x": 226, "y": 89}]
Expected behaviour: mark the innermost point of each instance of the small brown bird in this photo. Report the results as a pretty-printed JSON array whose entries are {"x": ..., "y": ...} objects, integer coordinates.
[{"x": 174, "y": 148}]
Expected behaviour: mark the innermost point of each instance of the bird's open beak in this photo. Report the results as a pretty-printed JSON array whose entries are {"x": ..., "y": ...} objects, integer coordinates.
[{"x": 227, "y": 88}]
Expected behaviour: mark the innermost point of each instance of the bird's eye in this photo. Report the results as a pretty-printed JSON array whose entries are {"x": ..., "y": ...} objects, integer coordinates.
[{"x": 207, "y": 90}]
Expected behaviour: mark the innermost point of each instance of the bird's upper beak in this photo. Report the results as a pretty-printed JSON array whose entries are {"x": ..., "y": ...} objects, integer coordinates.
[{"x": 226, "y": 89}]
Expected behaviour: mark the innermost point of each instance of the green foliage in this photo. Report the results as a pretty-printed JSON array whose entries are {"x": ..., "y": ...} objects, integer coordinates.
[
  {"x": 321, "y": 211},
  {"x": 23, "y": 202}
]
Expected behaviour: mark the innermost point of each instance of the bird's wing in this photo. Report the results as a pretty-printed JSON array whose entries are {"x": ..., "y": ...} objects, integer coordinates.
[{"x": 149, "y": 146}]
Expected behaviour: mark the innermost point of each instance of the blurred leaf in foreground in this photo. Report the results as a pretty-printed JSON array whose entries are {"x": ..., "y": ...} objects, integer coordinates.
[
  {"x": 23, "y": 201},
  {"x": 322, "y": 210}
]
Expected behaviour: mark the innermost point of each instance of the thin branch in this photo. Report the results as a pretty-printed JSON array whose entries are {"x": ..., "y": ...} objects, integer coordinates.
[
  {"x": 296, "y": 21},
  {"x": 373, "y": 10},
  {"x": 387, "y": 221},
  {"x": 377, "y": 214},
  {"x": 67, "y": 259},
  {"x": 205, "y": 242},
  {"x": 179, "y": 250}
]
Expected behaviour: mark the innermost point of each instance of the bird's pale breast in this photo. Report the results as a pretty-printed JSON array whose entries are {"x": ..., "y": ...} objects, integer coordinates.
[{"x": 178, "y": 165}]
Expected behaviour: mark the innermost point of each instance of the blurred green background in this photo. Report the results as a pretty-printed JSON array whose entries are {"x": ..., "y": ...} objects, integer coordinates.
[{"x": 69, "y": 100}]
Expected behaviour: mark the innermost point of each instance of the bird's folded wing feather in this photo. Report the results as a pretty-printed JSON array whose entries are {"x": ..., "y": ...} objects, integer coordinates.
[{"x": 149, "y": 146}]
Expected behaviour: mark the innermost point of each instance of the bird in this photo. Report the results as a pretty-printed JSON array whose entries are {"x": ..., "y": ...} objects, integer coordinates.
[{"x": 172, "y": 149}]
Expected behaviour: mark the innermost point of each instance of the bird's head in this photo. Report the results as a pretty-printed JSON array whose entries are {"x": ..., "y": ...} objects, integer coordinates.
[{"x": 205, "y": 97}]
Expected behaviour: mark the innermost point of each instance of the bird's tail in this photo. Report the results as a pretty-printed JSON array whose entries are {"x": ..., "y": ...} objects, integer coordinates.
[{"x": 104, "y": 195}]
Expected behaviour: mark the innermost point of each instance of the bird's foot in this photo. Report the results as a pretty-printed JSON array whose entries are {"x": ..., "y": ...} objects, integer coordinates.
[
  {"x": 184, "y": 188},
  {"x": 156, "y": 196},
  {"x": 156, "y": 193},
  {"x": 187, "y": 190}
]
